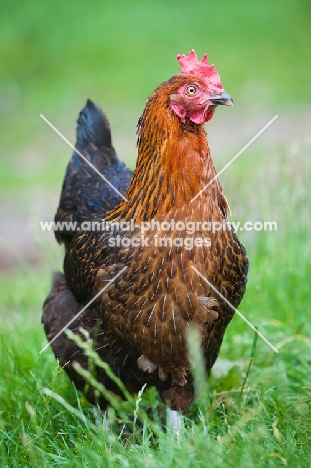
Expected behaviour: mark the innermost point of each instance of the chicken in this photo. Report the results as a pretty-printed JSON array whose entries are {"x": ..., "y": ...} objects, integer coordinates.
[
  {"x": 146, "y": 251},
  {"x": 84, "y": 192}
]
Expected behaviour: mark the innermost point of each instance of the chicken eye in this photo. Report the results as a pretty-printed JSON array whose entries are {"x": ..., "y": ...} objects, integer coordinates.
[{"x": 191, "y": 90}]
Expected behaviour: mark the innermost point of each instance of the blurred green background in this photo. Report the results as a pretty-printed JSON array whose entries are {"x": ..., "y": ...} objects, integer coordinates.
[{"x": 56, "y": 54}]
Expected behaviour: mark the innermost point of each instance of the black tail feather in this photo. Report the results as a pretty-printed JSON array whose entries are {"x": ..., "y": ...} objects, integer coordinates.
[{"x": 93, "y": 126}]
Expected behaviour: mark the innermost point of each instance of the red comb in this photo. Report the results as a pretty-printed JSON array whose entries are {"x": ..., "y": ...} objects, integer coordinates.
[{"x": 190, "y": 64}]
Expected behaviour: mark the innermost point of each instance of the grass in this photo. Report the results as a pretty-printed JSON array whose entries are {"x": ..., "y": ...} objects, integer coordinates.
[{"x": 56, "y": 55}]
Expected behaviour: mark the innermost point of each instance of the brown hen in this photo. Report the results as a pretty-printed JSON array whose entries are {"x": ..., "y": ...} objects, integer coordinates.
[{"x": 139, "y": 322}]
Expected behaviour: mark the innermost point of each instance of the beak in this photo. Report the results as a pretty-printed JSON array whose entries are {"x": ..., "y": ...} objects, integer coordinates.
[{"x": 223, "y": 98}]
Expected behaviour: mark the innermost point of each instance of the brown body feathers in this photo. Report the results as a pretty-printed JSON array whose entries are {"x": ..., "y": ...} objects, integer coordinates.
[{"x": 139, "y": 322}]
